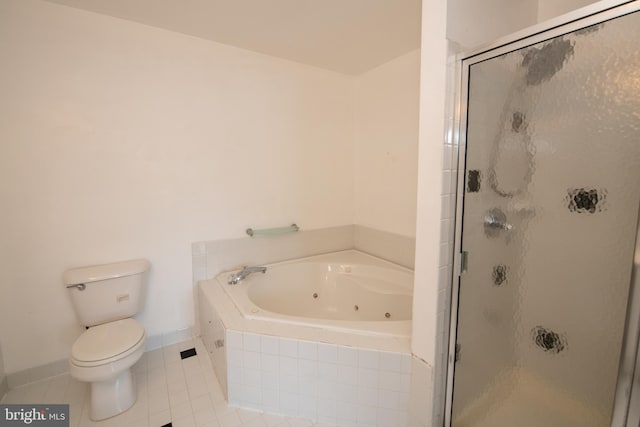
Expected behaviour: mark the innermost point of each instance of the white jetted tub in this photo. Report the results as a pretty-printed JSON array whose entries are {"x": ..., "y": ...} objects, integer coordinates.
[{"x": 342, "y": 291}]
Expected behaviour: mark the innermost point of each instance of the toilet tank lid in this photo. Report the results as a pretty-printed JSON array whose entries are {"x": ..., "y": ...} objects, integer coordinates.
[{"x": 96, "y": 273}]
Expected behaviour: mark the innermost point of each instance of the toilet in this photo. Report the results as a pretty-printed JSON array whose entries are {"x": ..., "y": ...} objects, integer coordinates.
[{"x": 105, "y": 297}]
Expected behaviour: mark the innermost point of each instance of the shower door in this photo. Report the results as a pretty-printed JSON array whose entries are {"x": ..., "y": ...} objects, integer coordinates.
[{"x": 550, "y": 196}]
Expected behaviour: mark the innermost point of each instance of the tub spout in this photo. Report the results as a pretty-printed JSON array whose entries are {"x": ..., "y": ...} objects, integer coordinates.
[{"x": 234, "y": 279}]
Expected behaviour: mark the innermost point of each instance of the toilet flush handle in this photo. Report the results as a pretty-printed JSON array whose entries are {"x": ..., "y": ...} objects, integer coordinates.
[{"x": 80, "y": 286}]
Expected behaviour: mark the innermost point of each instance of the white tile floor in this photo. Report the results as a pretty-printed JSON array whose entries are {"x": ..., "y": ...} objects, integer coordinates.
[{"x": 183, "y": 392}]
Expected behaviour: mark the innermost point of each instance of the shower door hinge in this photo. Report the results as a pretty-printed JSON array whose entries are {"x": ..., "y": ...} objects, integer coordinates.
[
  {"x": 464, "y": 259},
  {"x": 457, "y": 356}
]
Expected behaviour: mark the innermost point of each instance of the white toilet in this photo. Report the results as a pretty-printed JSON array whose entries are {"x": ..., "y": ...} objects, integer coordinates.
[{"x": 105, "y": 297}]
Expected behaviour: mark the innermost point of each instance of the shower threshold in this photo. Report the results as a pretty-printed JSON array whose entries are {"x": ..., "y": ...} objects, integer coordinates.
[{"x": 522, "y": 399}]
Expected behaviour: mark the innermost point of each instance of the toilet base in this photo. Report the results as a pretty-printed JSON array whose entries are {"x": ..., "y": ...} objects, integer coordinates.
[{"x": 112, "y": 397}]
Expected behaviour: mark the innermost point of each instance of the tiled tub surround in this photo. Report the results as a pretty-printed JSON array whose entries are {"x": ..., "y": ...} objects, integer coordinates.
[
  {"x": 330, "y": 383},
  {"x": 323, "y": 375}
]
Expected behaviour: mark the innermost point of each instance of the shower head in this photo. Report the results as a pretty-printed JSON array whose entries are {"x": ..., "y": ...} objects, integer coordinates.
[{"x": 544, "y": 62}]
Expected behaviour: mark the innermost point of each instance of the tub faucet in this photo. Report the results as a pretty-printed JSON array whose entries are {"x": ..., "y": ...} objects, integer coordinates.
[{"x": 234, "y": 279}]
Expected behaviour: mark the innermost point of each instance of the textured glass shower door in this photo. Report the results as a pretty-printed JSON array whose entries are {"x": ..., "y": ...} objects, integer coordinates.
[{"x": 550, "y": 207}]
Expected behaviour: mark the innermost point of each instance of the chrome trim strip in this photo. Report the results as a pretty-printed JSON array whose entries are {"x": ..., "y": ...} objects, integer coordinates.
[{"x": 627, "y": 389}]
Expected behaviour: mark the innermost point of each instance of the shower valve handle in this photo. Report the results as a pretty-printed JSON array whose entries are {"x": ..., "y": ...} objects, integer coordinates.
[{"x": 494, "y": 221}]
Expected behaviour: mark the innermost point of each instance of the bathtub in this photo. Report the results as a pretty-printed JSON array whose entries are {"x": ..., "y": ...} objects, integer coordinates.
[
  {"x": 311, "y": 338},
  {"x": 346, "y": 291}
]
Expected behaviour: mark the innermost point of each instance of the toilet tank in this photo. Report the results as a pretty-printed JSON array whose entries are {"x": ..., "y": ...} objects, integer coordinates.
[{"x": 107, "y": 292}]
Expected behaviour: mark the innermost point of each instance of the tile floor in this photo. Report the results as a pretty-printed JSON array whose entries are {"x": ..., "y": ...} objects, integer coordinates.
[{"x": 172, "y": 392}]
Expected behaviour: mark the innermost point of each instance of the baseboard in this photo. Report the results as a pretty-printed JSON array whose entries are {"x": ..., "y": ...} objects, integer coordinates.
[
  {"x": 60, "y": 367},
  {"x": 163, "y": 340},
  {"x": 37, "y": 373},
  {"x": 4, "y": 387}
]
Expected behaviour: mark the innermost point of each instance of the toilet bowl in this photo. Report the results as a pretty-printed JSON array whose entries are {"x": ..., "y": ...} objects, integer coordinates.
[
  {"x": 105, "y": 297},
  {"x": 103, "y": 356}
]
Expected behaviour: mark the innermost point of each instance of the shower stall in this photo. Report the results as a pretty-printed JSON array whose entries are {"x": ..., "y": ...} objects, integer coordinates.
[{"x": 544, "y": 324}]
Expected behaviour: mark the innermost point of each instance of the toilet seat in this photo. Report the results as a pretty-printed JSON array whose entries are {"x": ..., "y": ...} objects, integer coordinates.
[{"x": 105, "y": 343}]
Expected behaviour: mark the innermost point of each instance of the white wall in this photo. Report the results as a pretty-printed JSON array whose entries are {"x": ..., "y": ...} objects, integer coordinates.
[
  {"x": 433, "y": 84},
  {"x": 386, "y": 167},
  {"x": 548, "y": 9},
  {"x": 121, "y": 140},
  {"x": 471, "y": 23}
]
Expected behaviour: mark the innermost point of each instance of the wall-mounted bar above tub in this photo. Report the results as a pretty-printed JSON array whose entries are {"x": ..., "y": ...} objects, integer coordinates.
[{"x": 272, "y": 231}]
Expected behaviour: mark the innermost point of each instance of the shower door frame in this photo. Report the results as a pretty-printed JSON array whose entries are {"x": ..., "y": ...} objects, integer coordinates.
[{"x": 630, "y": 357}]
